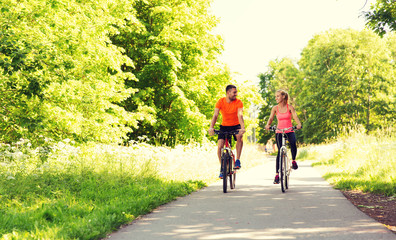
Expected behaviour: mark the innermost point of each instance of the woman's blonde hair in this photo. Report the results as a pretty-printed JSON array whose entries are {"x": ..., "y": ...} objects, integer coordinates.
[{"x": 285, "y": 94}]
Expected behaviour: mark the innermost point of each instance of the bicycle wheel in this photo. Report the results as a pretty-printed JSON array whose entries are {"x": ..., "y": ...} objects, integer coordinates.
[
  {"x": 224, "y": 168},
  {"x": 232, "y": 173},
  {"x": 287, "y": 173},
  {"x": 282, "y": 166}
]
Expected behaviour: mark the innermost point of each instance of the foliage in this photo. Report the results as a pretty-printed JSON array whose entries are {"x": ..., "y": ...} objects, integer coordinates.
[
  {"x": 108, "y": 71},
  {"x": 358, "y": 161},
  {"x": 382, "y": 17},
  {"x": 59, "y": 75},
  {"x": 348, "y": 80},
  {"x": 174, "y": 57},
  {"x": 66, "y": 190},
  {"x": 344, "y": 78}
]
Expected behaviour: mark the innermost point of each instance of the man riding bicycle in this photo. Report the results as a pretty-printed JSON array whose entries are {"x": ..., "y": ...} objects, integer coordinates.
[{"x": 231, "y": 110}]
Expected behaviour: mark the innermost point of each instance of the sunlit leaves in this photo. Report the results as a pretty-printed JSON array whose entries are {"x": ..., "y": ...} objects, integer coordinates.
[
  {"x": 61, "y": 76},
  {"x": 174, "y": 58},
  {"x": 346, "y": 75}
]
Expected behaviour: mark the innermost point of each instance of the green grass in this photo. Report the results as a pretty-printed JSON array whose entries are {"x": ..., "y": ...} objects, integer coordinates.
[
  {"x": 358, "y": 161},
  {"x": 64, "y": 191}
]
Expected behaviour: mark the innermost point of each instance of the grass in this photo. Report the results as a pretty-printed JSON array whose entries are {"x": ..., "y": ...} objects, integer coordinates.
[
  {"x": 358, "y": 161},
  {"x": 65, "y": 191}
]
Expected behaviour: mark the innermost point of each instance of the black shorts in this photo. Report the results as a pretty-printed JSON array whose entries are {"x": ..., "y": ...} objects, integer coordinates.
[{"x": 228, "y": 129}]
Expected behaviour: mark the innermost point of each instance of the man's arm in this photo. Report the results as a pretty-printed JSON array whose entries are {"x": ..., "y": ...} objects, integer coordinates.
[
  {"x": 241, "y": 122},
  {"x": 213, "y": 122}
]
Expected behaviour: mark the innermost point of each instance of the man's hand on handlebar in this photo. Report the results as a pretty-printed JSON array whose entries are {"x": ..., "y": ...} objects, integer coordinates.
[
  {"x": 211, "y": 131},
  {"x": 241, "y": 131}
]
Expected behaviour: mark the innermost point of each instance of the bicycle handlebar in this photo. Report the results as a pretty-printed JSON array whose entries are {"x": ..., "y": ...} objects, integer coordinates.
[
  {"x": 274, "y": 128},
  {"x": 226, "y": 133}
]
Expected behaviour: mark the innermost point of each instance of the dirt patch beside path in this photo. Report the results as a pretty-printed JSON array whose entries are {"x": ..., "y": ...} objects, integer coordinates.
[{"x": 379, "y": 207}]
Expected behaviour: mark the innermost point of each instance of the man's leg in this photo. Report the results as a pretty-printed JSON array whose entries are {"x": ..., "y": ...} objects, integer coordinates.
[
  {"x": 239, "y": 145},
  {"x": 220, "y": 145}
]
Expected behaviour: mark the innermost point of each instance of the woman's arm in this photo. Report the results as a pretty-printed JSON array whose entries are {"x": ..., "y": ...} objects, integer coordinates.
[
  {"x": 295, "y": 117},
  {"x": 271, "y": 118}
]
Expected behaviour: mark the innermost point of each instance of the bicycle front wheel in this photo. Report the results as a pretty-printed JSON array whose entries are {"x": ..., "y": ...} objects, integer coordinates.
[
  {"x": 287, "y": 173},
  {"x": 282, "y": 173},
  {"x": 232, "y": 173},
  {"x": 224, "y": 169}
]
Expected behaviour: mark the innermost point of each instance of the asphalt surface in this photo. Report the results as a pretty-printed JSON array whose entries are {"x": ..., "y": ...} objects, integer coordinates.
[{"x": 257, "y": 209}]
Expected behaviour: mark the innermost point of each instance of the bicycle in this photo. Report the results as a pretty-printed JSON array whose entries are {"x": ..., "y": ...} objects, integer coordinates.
[
  {"x": 228, "y": 160},
  {"x": 284, "y": 169}
]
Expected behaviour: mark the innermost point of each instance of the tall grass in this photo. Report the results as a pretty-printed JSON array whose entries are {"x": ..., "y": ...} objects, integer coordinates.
[
  {"x": 68, "y": 191},
  {"x": 357, "y": 161}
]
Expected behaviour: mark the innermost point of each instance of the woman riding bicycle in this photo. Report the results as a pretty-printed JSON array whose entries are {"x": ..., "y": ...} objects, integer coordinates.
[{"x": 284, "y": 113}]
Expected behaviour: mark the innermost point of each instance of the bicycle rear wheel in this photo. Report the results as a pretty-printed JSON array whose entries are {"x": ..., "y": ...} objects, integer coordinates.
[
  {"x": 224, "y": 168},
  {"x": 282, "y": 166}
]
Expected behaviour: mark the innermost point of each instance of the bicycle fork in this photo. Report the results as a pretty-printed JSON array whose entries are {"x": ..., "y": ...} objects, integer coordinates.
[{"x": 227, "y": 150}]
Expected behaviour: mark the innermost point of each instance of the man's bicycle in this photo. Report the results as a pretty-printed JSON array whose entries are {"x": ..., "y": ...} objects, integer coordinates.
[
  {"x": 228, "y": 160},
  {"x": 284, "y": 161}
]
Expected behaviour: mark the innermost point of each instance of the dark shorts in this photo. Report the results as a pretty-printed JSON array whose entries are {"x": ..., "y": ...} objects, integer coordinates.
[{"x": 228, "y": 129}]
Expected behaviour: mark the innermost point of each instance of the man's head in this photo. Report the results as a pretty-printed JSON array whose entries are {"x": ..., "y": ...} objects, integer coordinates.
[{"x": 231, "y": 92}]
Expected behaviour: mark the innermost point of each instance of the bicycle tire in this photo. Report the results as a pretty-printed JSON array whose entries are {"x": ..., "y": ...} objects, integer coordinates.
[
  {"x": 224, "y": 160},
  {"x": 232, "y": 173},
  {"x": 287, "y": 172},
  {"x": 282, "y": 166}
]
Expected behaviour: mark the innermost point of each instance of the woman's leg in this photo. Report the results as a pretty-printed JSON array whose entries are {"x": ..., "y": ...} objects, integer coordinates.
[
  {"x": 278, "y": 137},
  {"x": 293, "y": 146}
]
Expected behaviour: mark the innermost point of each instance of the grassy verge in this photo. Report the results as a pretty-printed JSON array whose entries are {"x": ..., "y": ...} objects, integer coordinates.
[
  {"x": 358, "y": 161},
  {"x": 65, "y": 191}
]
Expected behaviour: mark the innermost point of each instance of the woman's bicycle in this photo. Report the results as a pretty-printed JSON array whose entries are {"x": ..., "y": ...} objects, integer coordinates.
[
  {"x": 228, "y": 160},
  {"x": 284, "y": 161}
]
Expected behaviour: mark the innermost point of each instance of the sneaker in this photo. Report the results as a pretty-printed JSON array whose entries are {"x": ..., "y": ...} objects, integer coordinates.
[
  {"x": 221, "y": 175},
  {"x": 237, "y": 164},
  {"x": 294, "y": 165},
  {"x": 276, "y": 180}
]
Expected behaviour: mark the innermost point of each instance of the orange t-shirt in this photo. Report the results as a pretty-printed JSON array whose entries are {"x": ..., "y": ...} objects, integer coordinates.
[{"x": 229, "y": 111}]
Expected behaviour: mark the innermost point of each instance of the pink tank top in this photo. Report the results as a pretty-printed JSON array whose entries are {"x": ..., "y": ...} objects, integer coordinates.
[{"x": 284, "y": 119}]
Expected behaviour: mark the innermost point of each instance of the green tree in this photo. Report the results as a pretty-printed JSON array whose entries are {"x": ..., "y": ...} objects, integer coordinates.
[
  {"x": 175, "y": 62},
  {"x": 60, "y": 75},
  {"x": 382, "y": 17},
  {"x": 347, "y": 75}
]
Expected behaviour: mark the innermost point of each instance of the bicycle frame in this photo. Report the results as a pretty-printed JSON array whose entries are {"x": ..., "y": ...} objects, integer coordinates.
[
  {"x": 284, "y": 150},
  {"x": 228, "y": 147},
  {"x": 284, "y": 175},
  {"x": 228, "y": 160}
]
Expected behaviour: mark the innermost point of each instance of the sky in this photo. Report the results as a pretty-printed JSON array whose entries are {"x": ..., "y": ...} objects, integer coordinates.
[{"x": 258, "y": 31}]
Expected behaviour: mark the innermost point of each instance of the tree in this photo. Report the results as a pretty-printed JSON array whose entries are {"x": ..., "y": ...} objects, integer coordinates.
[
  {"x": 60, "y": 75},
  {"x": 382, "y": 17},
  {"x": 347, "y": 79},
  {"x": 175, "y": 62}
]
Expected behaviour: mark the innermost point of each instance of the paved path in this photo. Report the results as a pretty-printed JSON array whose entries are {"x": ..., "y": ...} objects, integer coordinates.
[{"x": 257, "y": 209}]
